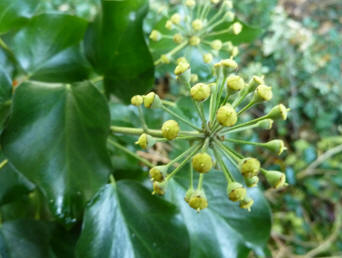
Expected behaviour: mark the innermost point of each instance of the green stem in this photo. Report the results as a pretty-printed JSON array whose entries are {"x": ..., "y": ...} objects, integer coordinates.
[
  {"x": 244, "y": 142},
  {"x": 191, "y": 176},
  {"x": 142, "y": 119},
  {"x": 245, "y": 108},
  {"x": 3, "y": 163},
  {"x": 219, "y": 32},
  {"x": 152, "y": 132},
  {"x": 223, "y": 166},
  {"x": 168, "y": 103},
  {"x": 134, "y": 155},
  {"x": 180, "y": 118},
  {"x": 200, "y": 181},
  {"x": 230, "y": 154},
  {"x": 173, "y": 51},
  {"x": 183, "y": 155},
  {"x": 245, "y": 124},
  {"x": 240, "y": 129}
]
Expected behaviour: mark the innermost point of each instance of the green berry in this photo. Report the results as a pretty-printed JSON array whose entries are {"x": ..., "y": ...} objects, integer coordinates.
[
  {"x": 226, "y": 115},
  {"x": 249, "y": 167},
  {"x": 198, "y": 200},
  {"x": 170, "y": 129},
  {"x": 236, "y": 192},
  {"x": 202, "y": 162},
  {"x": 200, "y": 92}
]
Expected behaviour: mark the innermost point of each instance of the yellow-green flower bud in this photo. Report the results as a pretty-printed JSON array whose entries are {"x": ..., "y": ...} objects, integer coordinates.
[
  {"x": 228, "y": 63},
  {"x": 176, "y": 18},
  {"x": 169, "y": 25},
  {"x": 202, "y": 162},
  {"x": 254, "y": 83},
  {"x": 155, "y": 35},
  {"x": 275, "y": 178},
  {"x": 165, "y": 59},
  {"x": 158, "y": 173},
  {"x": 170, "y": 129},
  {"x": 265, "y": 124},
  {"x": 236, "y": 192},
  {"x": 226, "y": 115},
  {"x": 194, "y": 78},
  {"x": 152, "y": 100},
  {"x": 262, "y": 93},
  {"x": 182, "y": 67},
  {"x": 247, "y": 203},
  {"x": 178, "y": 38},
  {"x": 182, "y": 60},
  {"x": 237, "y": 28},
  {"x": 197, "y": 24},
  {"x": 188, "y": 194},
  {"x": 228, "y": 3},
  {"x": 159, "y": 188},
  {"x": 194, "y": 41},
  {"x": 145, "y": 141},
  {"x": 190, "y": 3},
  {"x": 208, "y": 58},
  {"x": 235, "y": 82},
  {"x": 215, "y": 1},
  {"x": 276, "y": 146},
  {"x": 235, "y": 51},
  {"x": 279, "y": 111},
  {"x": 249, "y": 167},
  {"x": 216, "y": 44},
  {"x": 200, "y": 92},
  {"x": 198, "y": 201},
  {"x": 252, "y": 182},
  {"x": 137, "y": 100}
]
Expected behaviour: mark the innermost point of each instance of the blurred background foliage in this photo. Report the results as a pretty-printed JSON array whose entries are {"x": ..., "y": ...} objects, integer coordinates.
[{"x": 299, "y": 52}]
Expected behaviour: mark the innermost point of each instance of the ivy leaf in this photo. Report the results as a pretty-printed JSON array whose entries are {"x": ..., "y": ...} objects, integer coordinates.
[
  {"x": 116, "y": 47},
  {"x": 125, "y": 220},
  {"x": 224, "y": 221},
  {"x": 15, "y": 13},
  {"x": 5, "y": 96},
  {"x": 47, "y": 48},
  {"x": 56, "y": 137}
]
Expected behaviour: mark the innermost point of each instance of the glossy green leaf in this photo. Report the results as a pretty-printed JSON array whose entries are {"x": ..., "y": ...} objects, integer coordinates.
[
  {"x": 47, "y": 48},
  {"x": 56, "y": 137},
  {"x": 15, "y": 13},
  {"x": 125, "y": 220},
  {"x": 229, "y": 231},
  {"x": 116, "y": 47},
  {"x": 5, "y": 95}
]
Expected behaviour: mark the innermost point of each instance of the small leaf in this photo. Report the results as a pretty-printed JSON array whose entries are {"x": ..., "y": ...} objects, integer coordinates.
[
  {"x": 15, "y": 13},
  {"x": 56, "y": 137},
  {"x": 116, "y": 47},
  {"x": 125, "y": 220}
]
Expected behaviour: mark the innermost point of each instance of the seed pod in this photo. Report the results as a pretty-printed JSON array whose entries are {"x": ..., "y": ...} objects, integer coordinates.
[
  {"x": 235, "y": 82},
  {"x": 155, "y": 35},
  {"x": 252, "y": 182},
  {"x": 137, "y": 100},
  {"x": 176, "y": 18},
  {"x": 249, "y": 167},
  {"x": 178, "y": 38},
  {"x": 236, "y": 192},
  {"x": 152, "y": 100},
  {"x": 216, "y": 44},
  {"x": 237, "y": 28},
  {"x": 200, "y": 92},
  {"x": 159, "y": 188},
  {"x": 276, "y": 146},
  {"x": 247, "y": 203},
  {"x": 265, "y": 124},
  {"x": 226, "y": 115},
  {"x": 208, "y": 58},
  {"x": 181, "y": 68},
  {"x": 202, "y": 162},
  {"x": 197, "y": 24},
  {"x": 158, "y": 173},
  {"x": 194, "y": 41},
  {"x": 276, "y": 179},
  {"x": 170, "y": 129},
  {"x": 198, "y": 200},
  {"x": 279, "y": 111},
  {"x": 262, "y": 93}
]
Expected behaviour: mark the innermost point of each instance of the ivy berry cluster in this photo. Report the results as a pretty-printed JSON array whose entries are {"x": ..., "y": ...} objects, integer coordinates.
[{"x": 210, "y": 142}]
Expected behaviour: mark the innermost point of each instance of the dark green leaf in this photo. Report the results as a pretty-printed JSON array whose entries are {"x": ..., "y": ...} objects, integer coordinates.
[
  {"x": 56, "y": 137},
  {"x": 116, "y": 47},
  {"x": 47, "y": 48},
  {"x": 5, "y": 96},
  {"x": 125, "y": 220},
  {"x": 14, "y": 13}
]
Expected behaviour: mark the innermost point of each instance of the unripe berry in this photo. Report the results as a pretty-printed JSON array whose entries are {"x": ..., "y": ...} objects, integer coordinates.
[
  {"x": 216, "y": 44},
  {"x": 236, "y": 192},
  {"x": 276, "y": 146},
  {"x": 200, "y": 92},
  {"x": 208, "y": 58},
  {"x": 182, "y": 67},
  {"x": 155, "y": 35},
  {"x": 137, "y": 100},
  {"x": 275, "y": 178},
  {"x": 142, "y": 141},
  {"x": 198, "y": 200},
  {"x": 178, "y": 38},
  {"x": 279, "y": 111},
  {"x": 188, "y": 194},
  {"x": 235, "y": 82},
  {"x": 165, "y": 59},
  {"x": 252, "y": 182},
  {"x": 159, "y": 188},
  {"x": 158, "y": 173},
  {"x": 202, "y": 162},
  {"x": 249, "y": 167},
  {"x": 227, "y": 63},
  {"x": 152, "y": 100},
  {"x": 197, "y": 24},
  {"x": 263, "y": 93},
  {"x": 194, "y": 41},
  {"x": 194, "y": 78},
  {"x": 237, "y": 28},
  {"x": 169, "y": 25},
  {"x": 226, "y": 115},
  {"x": 170, "y": 129},
  {"x": 235, "y": 51},
  {"x": 246, "y": 203},
  {"x": 176, "y": 18},
  {"x": 182, "y": 60},
  {"x": 190, "y": 3}
]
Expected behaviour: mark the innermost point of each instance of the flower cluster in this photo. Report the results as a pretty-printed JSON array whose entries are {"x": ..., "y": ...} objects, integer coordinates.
[
  {"x": 229, "y": 97},
  {"x": 196, "y": 25}
]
